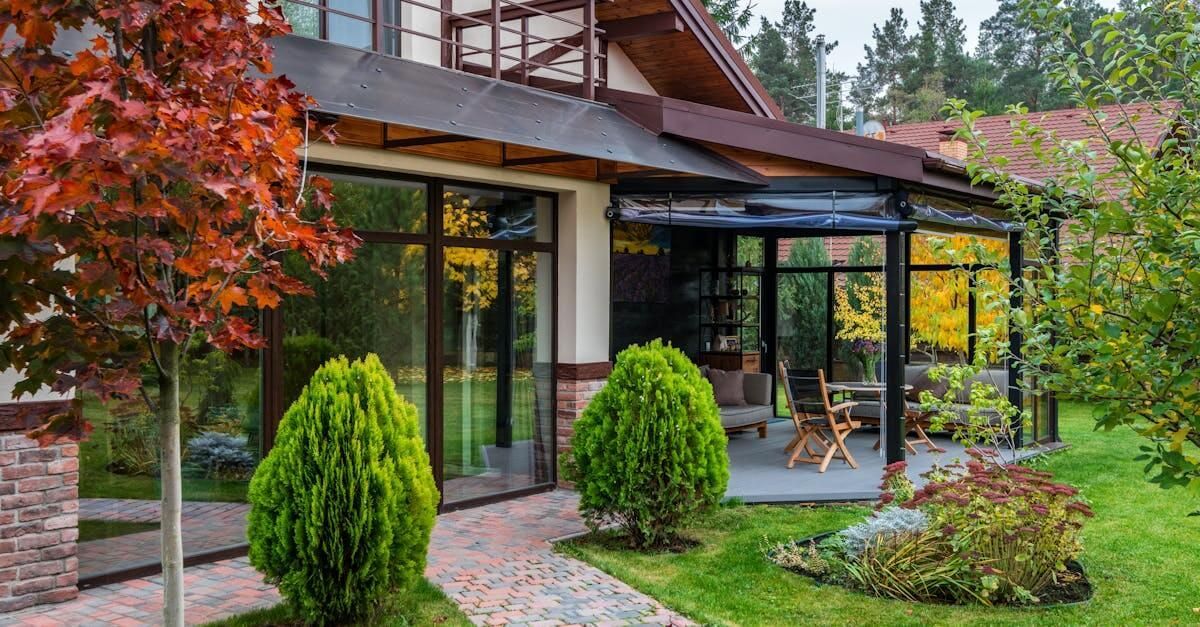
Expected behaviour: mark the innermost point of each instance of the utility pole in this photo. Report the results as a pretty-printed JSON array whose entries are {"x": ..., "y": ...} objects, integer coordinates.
[{"x": 820, "y": 81}]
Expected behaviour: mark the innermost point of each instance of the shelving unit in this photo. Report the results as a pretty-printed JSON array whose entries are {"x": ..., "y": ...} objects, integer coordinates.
[{"x": 730, "y": 317}]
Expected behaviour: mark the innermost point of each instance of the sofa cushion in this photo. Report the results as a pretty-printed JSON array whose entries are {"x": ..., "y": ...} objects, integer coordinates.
[
  {"x": 759, "y": 391},
  {"x": 742, "y": 415},
  {"x": 918, "y": 377},
  {"x": 728, "y": 386}
]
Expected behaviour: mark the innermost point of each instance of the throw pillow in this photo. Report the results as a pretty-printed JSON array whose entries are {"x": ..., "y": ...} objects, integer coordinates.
[{"x": 728, "y": 386}]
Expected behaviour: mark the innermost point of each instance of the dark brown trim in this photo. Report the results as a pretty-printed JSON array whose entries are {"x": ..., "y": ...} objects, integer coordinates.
[
  {"x": 496, "y": 498},
  {"x": 705, "y": 123},
  {"x": 426, "y": 140},
  {"x": 641, "y": 26},
  {"x": 727, "y": 58},
  {"x": 539, "y": 160},
  {"x": 27, "y": 415},
  {"x": 583, "y": 372}
]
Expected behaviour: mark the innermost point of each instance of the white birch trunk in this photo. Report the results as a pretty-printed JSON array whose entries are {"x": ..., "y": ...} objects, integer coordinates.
[{"x": 172, "y": 485}]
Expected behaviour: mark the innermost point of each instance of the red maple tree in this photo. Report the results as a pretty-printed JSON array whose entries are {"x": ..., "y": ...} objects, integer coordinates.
[{"x": 151, "y": 186}]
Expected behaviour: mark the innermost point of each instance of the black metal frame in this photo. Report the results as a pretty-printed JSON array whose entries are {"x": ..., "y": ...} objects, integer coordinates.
[{"x": 898, "y": 288}]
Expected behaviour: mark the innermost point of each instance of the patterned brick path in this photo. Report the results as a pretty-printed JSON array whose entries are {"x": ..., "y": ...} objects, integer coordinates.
[{"x": 496, "y": 562}]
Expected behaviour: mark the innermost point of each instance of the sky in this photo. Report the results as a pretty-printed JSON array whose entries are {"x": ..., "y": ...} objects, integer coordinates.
[{"x": 849, "y": 22}]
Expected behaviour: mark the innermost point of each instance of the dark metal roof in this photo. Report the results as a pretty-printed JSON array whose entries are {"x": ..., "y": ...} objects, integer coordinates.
[{"x": 362, "y": 84}]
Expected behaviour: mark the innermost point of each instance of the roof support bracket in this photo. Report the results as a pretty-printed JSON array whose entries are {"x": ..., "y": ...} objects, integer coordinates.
[
  {"x": 641, "y": 26},
  {"x": 426, "y": 140}
]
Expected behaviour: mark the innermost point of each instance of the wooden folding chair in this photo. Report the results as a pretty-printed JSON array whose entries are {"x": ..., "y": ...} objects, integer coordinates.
[
  {"x": 838, "y": 424},
  {"x": 808, "y": 428}
]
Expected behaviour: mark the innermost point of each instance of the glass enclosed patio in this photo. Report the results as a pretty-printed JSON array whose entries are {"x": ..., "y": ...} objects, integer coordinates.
[{"x": 870, "y": 289}]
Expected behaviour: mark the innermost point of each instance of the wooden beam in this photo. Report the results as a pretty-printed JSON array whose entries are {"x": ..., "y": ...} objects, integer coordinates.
[
  {"x": 539, "y": 160},
  {"x": 641, "y": 26},
  {"x": 514, "y": 76},
  {"x": 426, "y": 140}
]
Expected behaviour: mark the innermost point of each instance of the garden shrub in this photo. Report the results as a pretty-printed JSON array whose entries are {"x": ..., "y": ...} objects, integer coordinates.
[
  {"x": 978, "y": 532},
  {"x": 1015, "y": 525},
  {"x": 344, "y": 504},
  {"x": 893, "y": 523},
  {"x": 648, "y": 452},
  {"x": 216, "y": 455}
]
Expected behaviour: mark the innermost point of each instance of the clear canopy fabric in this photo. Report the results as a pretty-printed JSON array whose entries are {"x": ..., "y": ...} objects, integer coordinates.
[
  {"x": 822, "y": 210},
  {"x": 817, "y": 210}
]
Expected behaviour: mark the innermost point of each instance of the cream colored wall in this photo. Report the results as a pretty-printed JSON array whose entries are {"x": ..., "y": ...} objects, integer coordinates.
[
  {"x": 624, "y": 75},
  {"x": 583, "y": 258}
]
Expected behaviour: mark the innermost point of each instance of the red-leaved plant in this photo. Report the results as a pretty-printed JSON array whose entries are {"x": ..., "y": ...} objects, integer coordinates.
[
  {"x": 151, "y": 187},
  {"x": 1014, "y": 525}
]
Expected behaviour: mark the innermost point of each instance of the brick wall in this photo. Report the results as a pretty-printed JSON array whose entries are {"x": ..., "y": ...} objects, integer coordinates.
[{"x": 39, "y": 526}]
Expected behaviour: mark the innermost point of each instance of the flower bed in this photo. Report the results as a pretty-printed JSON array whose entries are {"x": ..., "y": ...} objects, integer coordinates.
[{"x": 978, "y": 532}]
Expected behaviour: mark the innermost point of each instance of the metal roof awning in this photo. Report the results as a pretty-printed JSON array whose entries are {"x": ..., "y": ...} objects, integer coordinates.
[
  {"x": 363, "y": 84},
  {"x": 821, "y": 210}
]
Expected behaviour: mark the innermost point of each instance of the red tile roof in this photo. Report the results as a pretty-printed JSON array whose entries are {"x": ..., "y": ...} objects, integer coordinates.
[{"x": 1067, "y": 124}]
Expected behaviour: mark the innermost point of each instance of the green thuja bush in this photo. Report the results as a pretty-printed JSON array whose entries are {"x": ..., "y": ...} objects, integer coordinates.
[
  {"x": 344, "y": 504},
  {"x": 648, "y": 453}
]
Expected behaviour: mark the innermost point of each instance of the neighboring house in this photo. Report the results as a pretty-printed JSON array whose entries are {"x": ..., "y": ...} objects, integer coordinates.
[
  {"x": 1148, "y": 125},
  {"x": 482, "y": 165}
]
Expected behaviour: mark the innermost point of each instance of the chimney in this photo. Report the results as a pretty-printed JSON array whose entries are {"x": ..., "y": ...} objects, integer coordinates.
[{"x": 950, "y": 145}]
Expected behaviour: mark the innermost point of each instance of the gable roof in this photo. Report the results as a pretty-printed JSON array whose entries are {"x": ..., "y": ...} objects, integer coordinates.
[
  {"x": 697, "y": 63},
  {"x": 1150, "y": 122}
]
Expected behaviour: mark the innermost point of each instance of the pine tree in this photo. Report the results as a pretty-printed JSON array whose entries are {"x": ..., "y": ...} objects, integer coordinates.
[
  {"x": 880, "y": 89},
  {"x": 938, "y": 49},
  {"x": 1015, "y": 56},
  {"x": 784, "y": 59},
  {"x": 732, "y": 16}
]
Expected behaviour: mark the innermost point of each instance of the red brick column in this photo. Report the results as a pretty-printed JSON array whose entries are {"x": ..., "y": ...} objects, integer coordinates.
[
  {"x": 39, "y": 512},
  {"x": 577, "y": 384}
]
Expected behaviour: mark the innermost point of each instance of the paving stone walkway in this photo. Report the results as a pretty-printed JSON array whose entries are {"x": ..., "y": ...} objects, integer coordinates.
[{"x": 496, "y": 562}]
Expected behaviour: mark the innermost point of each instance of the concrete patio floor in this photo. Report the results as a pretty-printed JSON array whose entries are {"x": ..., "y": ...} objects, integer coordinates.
[{"x": 758, "y": 471}]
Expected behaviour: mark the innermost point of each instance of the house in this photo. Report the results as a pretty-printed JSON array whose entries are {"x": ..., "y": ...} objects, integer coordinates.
[
  {"x": 538, "y": 184},
  {"x": 1148, "y": 123}
]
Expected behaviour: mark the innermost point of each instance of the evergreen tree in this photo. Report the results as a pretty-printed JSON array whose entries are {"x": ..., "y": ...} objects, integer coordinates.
[
  {"x": 1015, "y": 54},
  {"x": 775, "y": 70},
  {"x": 784, "y": 59},
  {"x": 732, "y": 16},
  {"x": 938, "y": 49},
  {"x": 880, "y": 87}
]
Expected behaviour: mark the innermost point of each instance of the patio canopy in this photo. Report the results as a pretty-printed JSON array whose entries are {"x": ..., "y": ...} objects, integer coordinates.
[
  {"x": 820, "y": 210},
  {"x": 832, "y": 210}
]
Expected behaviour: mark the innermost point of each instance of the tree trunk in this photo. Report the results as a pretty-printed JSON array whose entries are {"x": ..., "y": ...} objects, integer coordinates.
[{"x": 172, "y": 486}]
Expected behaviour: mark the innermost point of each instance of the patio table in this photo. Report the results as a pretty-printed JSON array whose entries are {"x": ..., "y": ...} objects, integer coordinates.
[{"x": 914, "y": 418}]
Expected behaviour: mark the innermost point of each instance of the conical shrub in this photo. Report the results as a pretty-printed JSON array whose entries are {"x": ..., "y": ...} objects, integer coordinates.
[
  {"x": 343, "y": 506},
  {"x": 648, "y": 453}
]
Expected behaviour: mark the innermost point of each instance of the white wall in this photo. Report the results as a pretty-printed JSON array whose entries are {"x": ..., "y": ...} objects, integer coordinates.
[
  {"x": 583, "y": 257},
  {"x": 624, "y": 75}
]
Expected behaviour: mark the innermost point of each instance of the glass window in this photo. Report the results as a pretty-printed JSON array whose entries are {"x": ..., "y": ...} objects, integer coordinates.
[
  {"x": 859, "y": 309},
  {"x": 373, "y": 304},
  {"x": 938, "y": 317},
  {"x": 502, "y": 215},
  {"x": 119, "y": 488},
  {"x": 373, "y": 204},
  {"x": 305, "y": 20},
  {"x": 347, "y": 30},
  {"x": 498, "y": 411},
  {"x": 804, "y": 252}
]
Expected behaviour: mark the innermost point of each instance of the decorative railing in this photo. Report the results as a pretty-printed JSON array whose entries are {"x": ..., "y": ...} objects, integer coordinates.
[{"x": 551, "y": 44}]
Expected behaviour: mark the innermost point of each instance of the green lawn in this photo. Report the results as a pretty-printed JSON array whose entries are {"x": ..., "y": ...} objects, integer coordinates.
[
  {"x": 1140, "y": 553},
  {"x": 423, "y": 605}
]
